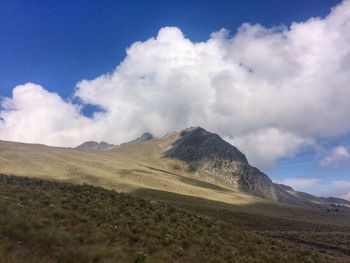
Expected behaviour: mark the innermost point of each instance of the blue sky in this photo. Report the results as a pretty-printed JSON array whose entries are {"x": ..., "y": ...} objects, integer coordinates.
[{"x": 58, "y": 44}]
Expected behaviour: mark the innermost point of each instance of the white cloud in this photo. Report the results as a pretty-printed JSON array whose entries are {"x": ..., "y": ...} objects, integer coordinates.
[
  {"x": 341, "y": 184},
  {"x": 345, "y": 196},
  {"x": 338, "y": 155},
  {"x": 265, "y": 146},
  {"x": 299, "y": 183},
  {"x": 270, "y": 90},
  {"x": 35, "y": 115}
]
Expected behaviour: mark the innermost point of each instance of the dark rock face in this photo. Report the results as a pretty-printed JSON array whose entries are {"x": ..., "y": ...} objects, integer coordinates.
[
  {"x": 144, "y": 137},
  {"x": 283, "y": 187},
  {"x": 92, "y": 145},
  {"x": 197, "y": 145},
  {"x": 206, "y": 151}
]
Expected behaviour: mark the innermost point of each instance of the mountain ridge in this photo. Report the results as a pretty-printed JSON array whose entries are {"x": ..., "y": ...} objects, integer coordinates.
[
  {"x": 201, "y": 152},
  {"x": 204, "y": 150},
  {"x": 93, "y": 145}
]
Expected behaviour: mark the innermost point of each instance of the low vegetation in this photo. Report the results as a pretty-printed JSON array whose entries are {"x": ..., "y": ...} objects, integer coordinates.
[{"x": 47, "y": 221}]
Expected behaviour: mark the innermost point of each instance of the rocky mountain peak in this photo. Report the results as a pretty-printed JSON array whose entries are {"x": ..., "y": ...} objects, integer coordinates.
[
  {"x": 93, "y": 145},
  {"x": 206, "y": 151},
  {"x": 196, "y": 144},
  {"x": 145, "y": 137}
]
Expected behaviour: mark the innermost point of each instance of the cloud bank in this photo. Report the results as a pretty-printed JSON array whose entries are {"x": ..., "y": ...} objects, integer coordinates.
[
  {"x": 270, "y": 91},
  {"x": 346, "y": 196},
  {"x": 342, "y": 186},
  {"x": 336, "y": 156}
]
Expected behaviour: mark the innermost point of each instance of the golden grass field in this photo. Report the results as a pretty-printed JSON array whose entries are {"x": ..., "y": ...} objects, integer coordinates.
[{"x": 127, "y": 168}]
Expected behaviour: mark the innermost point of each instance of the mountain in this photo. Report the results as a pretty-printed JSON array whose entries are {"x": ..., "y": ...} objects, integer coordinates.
[
  {"x": 92, "y": 145},
  {"x": 195, "y": 158},
  {"x": 206, "y": 151}
]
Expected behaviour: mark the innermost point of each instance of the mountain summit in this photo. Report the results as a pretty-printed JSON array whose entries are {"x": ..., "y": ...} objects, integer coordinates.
[
  {"x": 206, "y": 151},
  {"x": 198, "y": 146},
  {"x": 144, "y": 137}
]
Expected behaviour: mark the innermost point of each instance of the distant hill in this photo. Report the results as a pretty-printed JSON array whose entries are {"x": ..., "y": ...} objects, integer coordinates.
[
  {"x": 287, "y": 194},
  {"x": 335, "y": 201},
  {"x": 92, "y": 145},
  {"x": 144, "y": 137}
]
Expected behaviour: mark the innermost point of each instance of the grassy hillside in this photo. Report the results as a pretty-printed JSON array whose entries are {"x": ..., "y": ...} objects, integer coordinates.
[
  {"x": 138, "y": 168},
  {"x": 127, "y": 168},
  {"x": 166, "y": 214},
  {"x": 46, "y": 221}
]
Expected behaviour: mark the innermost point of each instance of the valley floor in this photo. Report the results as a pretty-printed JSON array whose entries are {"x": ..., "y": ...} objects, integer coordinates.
[{"x": 50, "y": 221}]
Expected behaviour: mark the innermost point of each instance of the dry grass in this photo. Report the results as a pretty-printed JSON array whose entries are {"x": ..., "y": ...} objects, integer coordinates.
[
  {"x": 45, "y": 221},
  {"x": 127, "y": 168}
]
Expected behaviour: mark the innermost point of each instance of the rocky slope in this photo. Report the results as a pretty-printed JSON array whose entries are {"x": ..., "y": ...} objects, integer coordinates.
[
  {"x": 144, "y": 137},
  {"x": 206, "y": 151}
]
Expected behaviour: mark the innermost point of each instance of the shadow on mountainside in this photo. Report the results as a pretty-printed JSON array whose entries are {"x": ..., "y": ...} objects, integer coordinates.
[
  {"x": 267, "y": 216},
  {"x": 191, "y": 181}
]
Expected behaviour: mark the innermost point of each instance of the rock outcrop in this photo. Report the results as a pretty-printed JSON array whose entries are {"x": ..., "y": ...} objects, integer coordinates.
[
  {"x": 144, "y": 137},
  {"x": 206, "y": 151}
]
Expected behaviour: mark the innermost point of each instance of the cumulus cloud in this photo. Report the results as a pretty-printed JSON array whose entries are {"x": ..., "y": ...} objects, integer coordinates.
[
  {"x": 341, "y": 184},
  {"x": 269, "y": 90},
  {"x": 35, "y": 115},
  {"x": 265, "y": 146},
  {"x": 345, "y": 196},
  {"x": 336, "y": 156}
]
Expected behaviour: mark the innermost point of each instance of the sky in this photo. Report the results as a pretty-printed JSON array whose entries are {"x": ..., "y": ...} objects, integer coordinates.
[{"x": 271, "y": 77}]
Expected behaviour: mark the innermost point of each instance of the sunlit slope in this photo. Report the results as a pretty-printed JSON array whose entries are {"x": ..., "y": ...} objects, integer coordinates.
[
  {"x": 127, "y": 168},
  {"x": 138, "y": 168}
]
